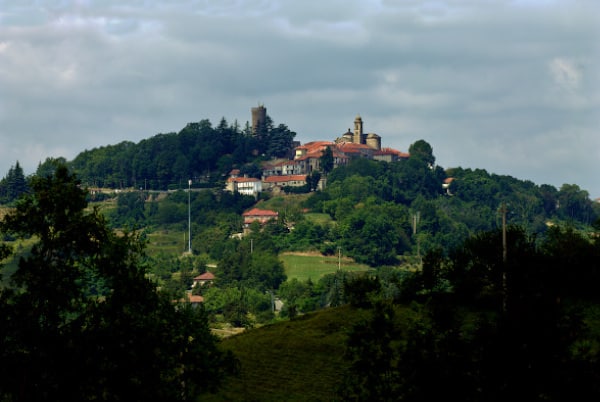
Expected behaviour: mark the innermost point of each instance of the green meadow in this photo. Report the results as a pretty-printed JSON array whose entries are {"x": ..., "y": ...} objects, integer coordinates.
[{"x": 303, "y": 266}]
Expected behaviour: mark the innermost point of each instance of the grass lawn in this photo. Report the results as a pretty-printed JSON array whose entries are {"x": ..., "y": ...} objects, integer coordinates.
[
  {"x": 318, "y": 218},
  {"x": 313, "y": 265},
  {"x": 166, "y": 242},
  {"x": 283, "y": 202}
]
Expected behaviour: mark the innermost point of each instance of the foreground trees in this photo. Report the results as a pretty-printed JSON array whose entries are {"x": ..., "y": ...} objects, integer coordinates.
[
  {"x": 480, "y": 327},
  {"x": 81, "y": 321}
]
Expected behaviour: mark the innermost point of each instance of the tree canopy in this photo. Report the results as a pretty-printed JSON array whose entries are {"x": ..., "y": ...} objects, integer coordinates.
[
  {"x": 167, "y": 160},
  {"x": 80, "y": 319},
  {"x": 484, "y": 327}
]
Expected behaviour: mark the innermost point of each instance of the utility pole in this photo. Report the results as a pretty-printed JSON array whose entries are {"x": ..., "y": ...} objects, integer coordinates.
[
  {"x": 503, "y": 211},
  {"x": 416, "y": 219},
  {"x": 189, "y": 217}
]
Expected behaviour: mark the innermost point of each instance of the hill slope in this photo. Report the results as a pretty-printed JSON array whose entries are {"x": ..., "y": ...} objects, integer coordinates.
[{"x": 298, "y": 360}]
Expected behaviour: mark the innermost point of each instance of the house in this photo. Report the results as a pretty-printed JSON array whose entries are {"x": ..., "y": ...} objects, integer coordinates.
[
  {"x": 194, "y": 300},
  {"x": 353, "y": 150},
  {"x": 258, "y": 215},
  {"x": 244, "y": 185},
  {"x": 282, "y": 168},
  {"x": 446, "y": 186},
  {"x": 289, "y": 167},
  {"x": 205, "y": 279},
  {"x": 308, "y": 156},
  {"x": 389, "y": 155},
  {"x": 271, "y": 182}
]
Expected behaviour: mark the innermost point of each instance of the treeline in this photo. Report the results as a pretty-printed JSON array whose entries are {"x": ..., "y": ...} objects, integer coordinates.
[
  {"x": 381, "y": 213},
  {"x": 385, "y": 210},
  {"x": 199, "y": 151},
  {"x": 13, "y": 184},
  {"x": 167, "y": 161}
]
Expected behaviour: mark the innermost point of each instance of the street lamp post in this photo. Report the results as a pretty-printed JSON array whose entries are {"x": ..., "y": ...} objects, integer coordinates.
[{"x": 189, "y": 217}]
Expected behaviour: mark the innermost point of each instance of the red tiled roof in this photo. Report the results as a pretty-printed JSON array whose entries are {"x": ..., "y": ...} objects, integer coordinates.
[
  {"x": 316, "y": 145},
  {"x": 278, "y": 179},
  {"x": 190, "y": 299},
  {"x": 350, "y": 146},
  {"x": 207, "y": 276},
  {"x": 391, "y": 151},
  {"x": 260, "y": 212},
  {"x": 195, "y": 299},
  {"x": 242, "y": 179},
  {"x": 284, "y": 163}
]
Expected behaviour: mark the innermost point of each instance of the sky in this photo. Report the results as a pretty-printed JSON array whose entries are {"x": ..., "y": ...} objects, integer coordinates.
[{"x": 509, "y": 86}]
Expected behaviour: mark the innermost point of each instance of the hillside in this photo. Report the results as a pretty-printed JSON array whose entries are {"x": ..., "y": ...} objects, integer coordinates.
[
  {"x": 297, "y": 360},
  {"x": 473, "y": 307}
]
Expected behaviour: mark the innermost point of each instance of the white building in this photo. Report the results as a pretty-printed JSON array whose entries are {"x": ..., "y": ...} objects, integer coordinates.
[{"x": 244, "y": 185}]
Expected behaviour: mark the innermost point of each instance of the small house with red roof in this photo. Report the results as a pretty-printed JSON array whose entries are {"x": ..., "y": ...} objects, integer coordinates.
[
  {"x": 258, "y": 215},
  {"x": 446, "y": 186},
  {"x": 194, "y": 300},
  {"x": 205, "y": 279},
  {"x": 389, "y": 155},
  {"x": 296, "y": 180}
]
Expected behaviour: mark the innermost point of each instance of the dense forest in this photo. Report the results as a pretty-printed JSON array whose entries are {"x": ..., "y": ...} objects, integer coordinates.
[
  {"x": 199, "y": 151},
  {"x": 485, "y": 323}
]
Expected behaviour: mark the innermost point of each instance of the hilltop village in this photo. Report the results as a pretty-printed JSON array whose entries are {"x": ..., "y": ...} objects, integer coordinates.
[{"x": 306, "y": 159}]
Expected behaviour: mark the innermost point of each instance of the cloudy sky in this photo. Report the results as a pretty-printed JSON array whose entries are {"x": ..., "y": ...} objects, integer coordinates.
[{"x": 510, "y": 86}]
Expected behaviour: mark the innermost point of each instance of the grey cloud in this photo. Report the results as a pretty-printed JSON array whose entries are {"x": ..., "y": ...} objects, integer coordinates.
[{"x": 509, "y": 87}]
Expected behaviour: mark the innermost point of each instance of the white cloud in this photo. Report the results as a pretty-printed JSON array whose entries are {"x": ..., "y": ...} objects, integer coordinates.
[{"x": 566, "y": 74}]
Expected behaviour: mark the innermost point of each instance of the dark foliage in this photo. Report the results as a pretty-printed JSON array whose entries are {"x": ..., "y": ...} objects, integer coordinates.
[
  {"x": 13, "y": 185},
  {"x": 521, "y": 327},
  {"x": 81, "y": 320},
  {"x": 167, "y": 161}
]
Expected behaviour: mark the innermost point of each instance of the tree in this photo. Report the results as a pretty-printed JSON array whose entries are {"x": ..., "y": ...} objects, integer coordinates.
[
  {"x": 130, "y": 208},
  {"x": 82, "y": 321},
  {"x": 48, "y": 167},
  {"x": 371, "y": 353},
  {"x": 280, "y": 141},
  {"x": 575, "y": 204},
  {"x": 14, "y": 184},
  {"x": 422, "y": 150},
  {"x": 312, "y": 180},
  {"x": 326, "y": 161}
]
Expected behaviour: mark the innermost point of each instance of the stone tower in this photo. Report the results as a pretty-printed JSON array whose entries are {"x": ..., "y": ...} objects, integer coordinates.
[
  {"x": 373, "y": 141},
  {"x": 358, "y": 131},
  {"x": 259, "y": 118}
]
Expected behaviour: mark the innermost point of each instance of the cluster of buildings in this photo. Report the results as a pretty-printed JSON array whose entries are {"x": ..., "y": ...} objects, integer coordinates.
[{"x": 307, "y": 159}]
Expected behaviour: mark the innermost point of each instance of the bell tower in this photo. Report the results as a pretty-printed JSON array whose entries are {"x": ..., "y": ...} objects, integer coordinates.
[{"x": 358, "y": 131}]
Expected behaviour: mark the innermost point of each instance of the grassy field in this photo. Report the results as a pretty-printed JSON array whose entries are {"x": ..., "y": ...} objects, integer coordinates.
[
  {"x": 314, "y": 266},
  {"x": 167, "y": 242},
  {"x": 318, "y": 218},
  {"x": 298, "y": 360},
  {"x": 282, "y": 202}
]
